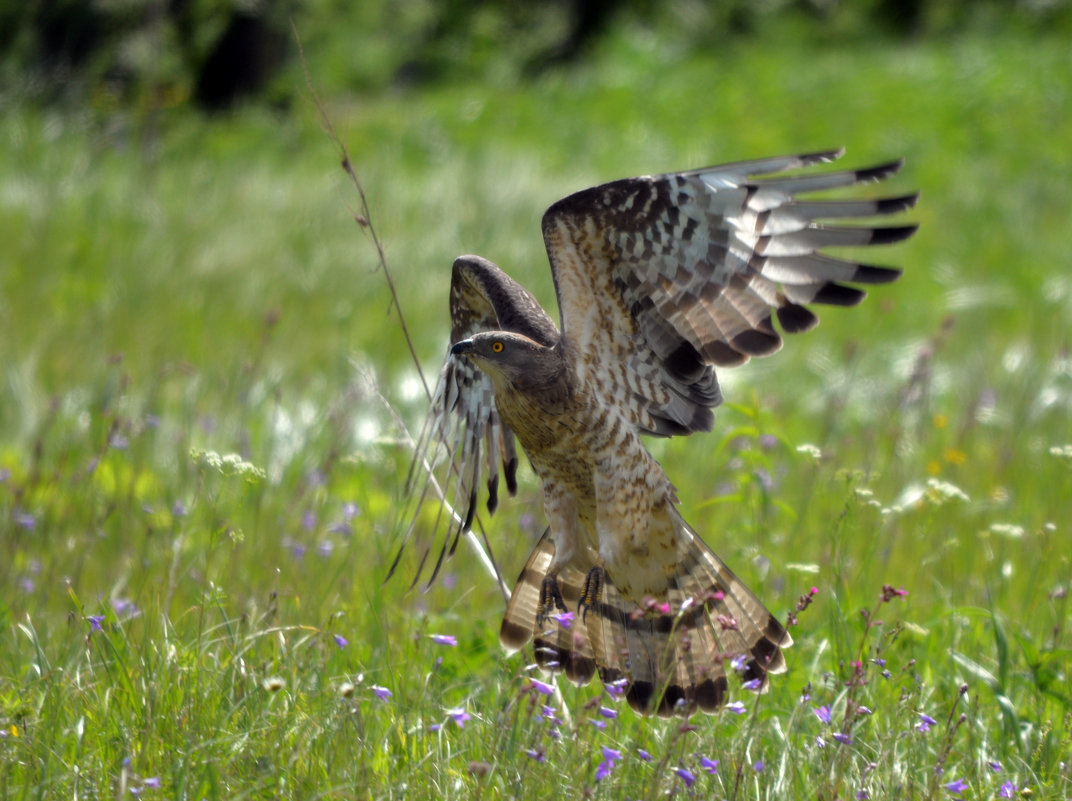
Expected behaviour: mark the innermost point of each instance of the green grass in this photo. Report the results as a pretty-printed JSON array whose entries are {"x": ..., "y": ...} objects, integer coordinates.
[{"x": 170, "y": 288}]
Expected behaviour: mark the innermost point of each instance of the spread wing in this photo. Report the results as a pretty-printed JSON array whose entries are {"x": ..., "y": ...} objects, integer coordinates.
[
  {"x": 462, "y": 435},
  {"x": 661, "y": 278}
]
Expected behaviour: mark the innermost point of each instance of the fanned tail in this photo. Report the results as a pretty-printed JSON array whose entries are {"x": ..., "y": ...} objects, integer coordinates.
[
  {"x": 669, "y": 655},
  {"x": 561, "y": 644}
]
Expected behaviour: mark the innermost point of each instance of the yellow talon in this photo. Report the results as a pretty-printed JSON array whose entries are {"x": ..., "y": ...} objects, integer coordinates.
[{"x": 593, "y": 591}]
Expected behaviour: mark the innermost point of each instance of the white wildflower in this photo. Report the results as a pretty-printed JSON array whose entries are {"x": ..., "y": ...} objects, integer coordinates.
[
  {"x": 939, "y": 492},
  {"x": 228, "y": 464},
  {"x": 1010, "y": 530}
]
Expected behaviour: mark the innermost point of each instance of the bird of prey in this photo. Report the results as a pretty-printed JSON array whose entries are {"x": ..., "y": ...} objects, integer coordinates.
[{"x": 660, "y": 279}]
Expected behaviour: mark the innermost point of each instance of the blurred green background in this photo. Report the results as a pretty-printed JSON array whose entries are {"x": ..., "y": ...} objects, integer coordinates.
[{"x": 180, "y": 270}]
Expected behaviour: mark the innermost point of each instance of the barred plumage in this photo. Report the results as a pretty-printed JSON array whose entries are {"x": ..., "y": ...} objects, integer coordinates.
[{"x": 659, "y": 280}]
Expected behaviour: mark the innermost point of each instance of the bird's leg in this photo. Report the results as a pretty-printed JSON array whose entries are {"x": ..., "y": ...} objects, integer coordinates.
[
  {"x": 550, "y": 598},
  {"x": 593, "y": 591}
]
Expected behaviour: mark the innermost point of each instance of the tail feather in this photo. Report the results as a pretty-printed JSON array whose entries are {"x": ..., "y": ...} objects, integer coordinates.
[
  {"x": 674, "y": 652},
  {"x": 560, "y": 644}
]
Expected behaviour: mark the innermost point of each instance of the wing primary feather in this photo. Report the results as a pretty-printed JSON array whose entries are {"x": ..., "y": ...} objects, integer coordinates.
[
  {"x": 800, "y": 184},
  {"x": 848, "y": 209},
  {"x": 493, "y": 493},
  {"x": 796, "y": 319},
  {"x": 453, "y": 474},
  {"x": 419, "y": 570},
  {"x": 765, "y": 166},
  {"x": 511, "y": 470},
  {"x": 838, "y": 295},
  {"x": 492, "y": 459},
  {"x": 470, "y": 458},
  {"x": 429, "y": 482}
]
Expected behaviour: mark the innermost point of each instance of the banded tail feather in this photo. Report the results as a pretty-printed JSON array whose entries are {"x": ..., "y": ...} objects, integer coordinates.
[{"x": 670, "y": 655}]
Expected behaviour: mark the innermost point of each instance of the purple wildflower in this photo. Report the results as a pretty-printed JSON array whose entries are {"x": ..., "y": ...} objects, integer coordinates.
[
  {"x": 844, "y": 739},
  {"x": 435, "y": 727},
  {"x": 925, "y": 722},
  {"x": 862, "y": 794},
  {"x": 753, "y": 684},
  {"x": 994, "y": 766},
  {"x": 758, "y": 766},
  {"x": 823, "y": 713},
  {"x": 535, "y": 753},
  {"x": 340, "y": 641},
  {"x": 459, "y": 716},
  {"x": 25, "y": 520},
  {"x": 381, "y": 692},
  {"x": 308, "y": 520},
  {"x": 956, "y": 786},
  {"x": 564, "y": 619},
  {"x": 1008, "y": 790},
  {"x": 862, "y": 710},
  {"x": 599, "y": 724},
  {"x": 709, "y": 765},
  {"x": 616, "y": 688},
  {"x": 738, "y": 663},
  {"x": 95, "y": 622},
  {"x": 444, "y": 639},
  {"x": 341, "y": 527},
  {"x": 603, "y": 771},
  {"x": 178, "y": 509},
  {"x": 686, "y": 775},
  {"x": 820, "y": 742},
  {"x": 644, "y": 755},
  {"x": 611, "y": 754},
  {"x": 153, "y": 782},
  {"x": 736, "y": 707},
  {"x": 607, "y": 712},
  {"x": 541, "y": 687},
  {"x": 124, "y": 607}
]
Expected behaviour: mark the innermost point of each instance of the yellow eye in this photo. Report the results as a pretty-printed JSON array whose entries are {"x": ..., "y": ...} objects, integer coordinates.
[{"x": 497, "y": 347}]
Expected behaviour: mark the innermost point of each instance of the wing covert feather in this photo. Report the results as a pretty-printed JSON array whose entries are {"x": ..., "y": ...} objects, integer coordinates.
[{"x": 672, "y": 275}]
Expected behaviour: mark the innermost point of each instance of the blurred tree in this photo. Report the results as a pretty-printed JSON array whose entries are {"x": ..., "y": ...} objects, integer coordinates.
[
  {"x": 214, "y": 53},
  {"x": 211, "y": 52}
]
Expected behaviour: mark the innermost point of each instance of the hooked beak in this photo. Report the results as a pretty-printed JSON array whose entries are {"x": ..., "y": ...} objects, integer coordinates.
[{"x": 459, "y": 348}]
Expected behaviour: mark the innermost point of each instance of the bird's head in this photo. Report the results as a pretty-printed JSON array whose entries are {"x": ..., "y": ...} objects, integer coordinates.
[{"x": 510, "y": 358}]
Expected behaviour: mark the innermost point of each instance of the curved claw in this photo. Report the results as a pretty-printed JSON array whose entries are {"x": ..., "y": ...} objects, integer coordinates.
[
  {"x": 550, "y": 598},
  {"x": 593, "y": 591}
]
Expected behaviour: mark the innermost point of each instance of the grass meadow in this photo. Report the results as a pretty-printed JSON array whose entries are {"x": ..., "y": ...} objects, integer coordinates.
[{"x": 206, "y": 392}]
